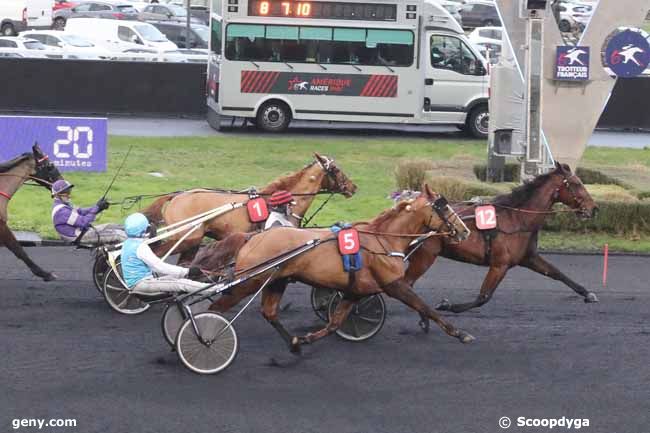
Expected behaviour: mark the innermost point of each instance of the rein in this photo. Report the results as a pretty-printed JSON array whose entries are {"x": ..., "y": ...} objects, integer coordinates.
[{"x": 536, "y": 212}]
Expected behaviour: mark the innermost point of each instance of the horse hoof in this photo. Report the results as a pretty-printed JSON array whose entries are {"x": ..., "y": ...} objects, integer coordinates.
[
  {"x": 465, "y": 338},
  {"x": 49, "y": 277},
  {"x": 591, "y": 298},
  {"x": 294, "y": 347},
  {"x": 424, "y": 324},
  {"x": 444, "y": 305}
]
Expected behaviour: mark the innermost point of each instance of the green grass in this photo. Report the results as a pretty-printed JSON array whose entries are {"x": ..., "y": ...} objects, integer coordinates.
[
  {"x": 592, "y": 242},
  {"x": 237, "y": 161}
]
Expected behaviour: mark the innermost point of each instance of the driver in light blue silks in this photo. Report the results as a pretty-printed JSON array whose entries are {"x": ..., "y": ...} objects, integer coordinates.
[{"x": 139, "y": 264}]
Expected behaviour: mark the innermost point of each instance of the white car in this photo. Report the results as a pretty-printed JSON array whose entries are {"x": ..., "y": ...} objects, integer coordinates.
[
  {"x": 120, "y": 35},
  {"x": 487, "y": 35},
  {"x": 70, "y": 45},
  {"x": 22, "y": 47}
]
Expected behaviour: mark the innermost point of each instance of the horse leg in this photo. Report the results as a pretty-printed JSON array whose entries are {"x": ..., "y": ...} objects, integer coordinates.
[
  {"x": 8, "y": 239},
  {"x": 336, "y": 320},
  {"x": 492, "y": 280},
  {"x": 271, "y": 297},
  {"x": 230, "y": 298},
  {"x": 401, "y": 291},
  {"x": 537, "y": 264}
]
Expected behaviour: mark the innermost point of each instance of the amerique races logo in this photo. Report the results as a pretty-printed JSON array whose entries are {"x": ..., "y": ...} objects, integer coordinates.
[
  {"x": 572, "y": 63},
  {"x": 627, "y": 53}
]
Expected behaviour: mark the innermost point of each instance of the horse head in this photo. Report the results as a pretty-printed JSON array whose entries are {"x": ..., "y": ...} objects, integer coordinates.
[
  {"x": 335, "y": 180},
  {"x": 45, "y": 173},
  {"x": 571, "y": 191}
]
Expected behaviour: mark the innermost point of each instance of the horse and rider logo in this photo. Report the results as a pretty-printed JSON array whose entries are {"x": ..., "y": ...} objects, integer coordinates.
[
  {"x": 572, "y": 63},
  {"x": 627, "y": 53}
]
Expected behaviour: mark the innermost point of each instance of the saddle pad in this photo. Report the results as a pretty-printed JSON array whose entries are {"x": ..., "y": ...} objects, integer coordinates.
[
  {"x": 348, "y": 241},
  {"x": 257, "y": 210},
  {"x": 486, "y": 217}
]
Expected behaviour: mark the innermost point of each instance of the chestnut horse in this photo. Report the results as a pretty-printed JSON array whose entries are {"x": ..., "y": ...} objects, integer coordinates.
[
  {"x": 34, "y": 166},
  {"x": 520, "y": 216},
  {"x": 383, "y": 242},
  {"x": 322, "y": 175}
]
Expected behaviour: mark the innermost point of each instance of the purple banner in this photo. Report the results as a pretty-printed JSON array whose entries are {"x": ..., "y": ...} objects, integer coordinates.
[{"x": 72, "y": 143}]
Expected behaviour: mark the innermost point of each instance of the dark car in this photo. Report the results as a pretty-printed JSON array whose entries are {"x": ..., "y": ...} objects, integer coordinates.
[
  {"x": 95, "y": 9},
  {"x": 201, "y": 13},
  {"x": 177, "y": 32},
  {"x": 168, "y": 12},
  {"x": 479, "y": 14}
]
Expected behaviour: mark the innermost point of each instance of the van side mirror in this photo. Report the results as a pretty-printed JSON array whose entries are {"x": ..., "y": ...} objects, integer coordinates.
[
  {"x": 480, "y": 69},
  {"x": 136, "y": 40}
]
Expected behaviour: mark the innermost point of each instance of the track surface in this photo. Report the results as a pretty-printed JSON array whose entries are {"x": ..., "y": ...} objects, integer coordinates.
[{"x": 540, "y": 353}]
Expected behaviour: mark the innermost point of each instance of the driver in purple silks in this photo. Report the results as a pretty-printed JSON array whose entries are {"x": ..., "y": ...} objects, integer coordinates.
[{"x": 70, "y": 222}]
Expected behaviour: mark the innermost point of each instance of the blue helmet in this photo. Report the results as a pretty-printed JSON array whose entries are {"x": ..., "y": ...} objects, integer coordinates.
[
  {"x": 61, "y": 186},
  {"x": 135, "y": 225}
]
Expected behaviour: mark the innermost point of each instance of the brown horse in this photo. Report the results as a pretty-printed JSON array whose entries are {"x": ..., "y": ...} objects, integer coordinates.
[
  {"x": 520, "y": 216},
  {"x": 382, "y": 241},
  {"x": 13, "y": 174},
  {"x": 322, "y": 175}
]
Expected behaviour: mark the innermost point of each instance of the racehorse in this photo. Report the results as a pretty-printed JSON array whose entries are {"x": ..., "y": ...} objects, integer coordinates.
[
  {"x": 28, "y": 166},
  {"x": 383, "y": 242},
  {"x": 519, "y": 215},
  {"x": 322, "y": 175}
]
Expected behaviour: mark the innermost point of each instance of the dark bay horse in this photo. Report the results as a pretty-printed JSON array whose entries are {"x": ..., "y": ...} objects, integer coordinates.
[
  {"x": 322, "y": 175},
  {"x": 382, "y": 271},
  {"x": 28, "y": 166},
  {"x": 520, "y": 216}
]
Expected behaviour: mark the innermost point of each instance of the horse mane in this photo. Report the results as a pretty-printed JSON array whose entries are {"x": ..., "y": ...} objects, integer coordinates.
[
  {"x": 520, "y": 195},
  {"x": 380, "y": 220},
  {"x": 8, "y": 165},
  {"x": 285, "y": 182}
]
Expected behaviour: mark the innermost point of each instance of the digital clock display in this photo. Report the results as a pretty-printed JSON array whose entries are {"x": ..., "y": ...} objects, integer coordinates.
[{"x": 322, "y": 10}]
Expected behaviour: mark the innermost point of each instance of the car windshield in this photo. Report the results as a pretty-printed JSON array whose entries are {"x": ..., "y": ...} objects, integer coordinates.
[
  {"x": 150, "y": 33},
  {"x": 203, "y": 32},
  {"x": 177, "y": 10},
  {"x": 34, "y": 45},
  {"x": 76, "y": 41}
]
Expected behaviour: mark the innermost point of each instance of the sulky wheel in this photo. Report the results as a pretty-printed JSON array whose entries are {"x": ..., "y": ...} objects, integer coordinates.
[
  {"x": 173, "y": 319},
  {"x": 119, "y": 298},
  {"x": 213, "y": 349},
  {"x": 320, "y": 300},
  {"x": 100, "y": 268},
  {"x": 364, "y": 321}
]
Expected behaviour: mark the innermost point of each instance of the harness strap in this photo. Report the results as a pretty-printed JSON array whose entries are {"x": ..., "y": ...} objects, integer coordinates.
[{"x": 5, "y": 195}]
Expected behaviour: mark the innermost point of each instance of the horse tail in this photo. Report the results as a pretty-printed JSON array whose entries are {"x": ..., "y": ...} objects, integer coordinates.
[{"x": 154, "y": 211}]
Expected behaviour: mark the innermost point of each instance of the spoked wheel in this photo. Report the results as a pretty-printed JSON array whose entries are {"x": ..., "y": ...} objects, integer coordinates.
[
  {"x": 119, "y": 298},
  {"x": 364, "y": 321},
  {"x": 213, "y": 350},
  {"x": 100, "y": 268},
  {"x": 320, "y": 301},
  {"x": 173, "y": 318}
]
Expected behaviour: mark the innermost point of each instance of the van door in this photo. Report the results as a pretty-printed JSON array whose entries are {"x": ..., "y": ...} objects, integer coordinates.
[
  {"x": 455, "y": 77},
  {"x": 39, "y": 13}
]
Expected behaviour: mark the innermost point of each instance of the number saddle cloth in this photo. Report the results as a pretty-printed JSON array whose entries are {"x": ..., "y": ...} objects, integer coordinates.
[{"x": 349, "y": 246}]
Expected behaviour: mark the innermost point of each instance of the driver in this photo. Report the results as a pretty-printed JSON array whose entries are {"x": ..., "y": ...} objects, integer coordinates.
[
  {"x": 70, "y": 221},
  {"x": 280, "y": 205},
  {"x": 139, "y": 264}
]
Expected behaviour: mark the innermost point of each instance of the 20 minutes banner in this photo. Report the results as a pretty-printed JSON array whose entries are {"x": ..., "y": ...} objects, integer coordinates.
[
  {"x": 292, "y": 83},
  {"x": 72, "y": 143}
]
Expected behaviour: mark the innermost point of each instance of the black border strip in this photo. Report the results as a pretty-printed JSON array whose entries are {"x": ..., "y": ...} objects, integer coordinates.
[
  {"x": 237, "y": 109},
  {"x": 354, "y": 113}
]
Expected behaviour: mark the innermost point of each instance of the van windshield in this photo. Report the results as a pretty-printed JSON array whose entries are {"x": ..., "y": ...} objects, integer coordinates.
[
  {"x": 76, "y": 41},
  {"x": 150, "y": 33}
]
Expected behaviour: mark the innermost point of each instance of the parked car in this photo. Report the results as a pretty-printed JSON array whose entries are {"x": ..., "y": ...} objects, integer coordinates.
[
  {"x": 479, "y": 13},
  {"x": 21, "y": 47},
  {"x": 176, "y": 32},
  {"x": 164, "y": 12},
  {"x": 489, "y": 35},
  {"x": 120, "y": 35},
  {"x": 70, "y": 45},
  {"x": 95, "y": 9},
  {"x": 18, "y": 15},
  {"x": 453, "y": 8},
  {"x": 63, "y": 4}
]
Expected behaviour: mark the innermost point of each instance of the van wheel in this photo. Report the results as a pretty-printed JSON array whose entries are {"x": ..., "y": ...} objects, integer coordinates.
[
  {"x": 7, "y": 29},
  {"x": 59, "y": 23},
  {"x": 273, "y": 116},
  {"x": 478, "y": 121}
]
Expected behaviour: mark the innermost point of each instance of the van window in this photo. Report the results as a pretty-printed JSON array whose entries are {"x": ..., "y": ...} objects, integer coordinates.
[
  {"x": 8, "y": 44},
  {"x": 150, "y": 33},
  {"x": 125, "y": 34},
  {"x": 448, "y": 52},
  {"x": 215, "y": 36}
]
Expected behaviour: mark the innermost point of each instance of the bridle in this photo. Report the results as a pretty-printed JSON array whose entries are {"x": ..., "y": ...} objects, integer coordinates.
[
  {"x": 567, "y": 185},
  {"x": 35, "y": 177}
]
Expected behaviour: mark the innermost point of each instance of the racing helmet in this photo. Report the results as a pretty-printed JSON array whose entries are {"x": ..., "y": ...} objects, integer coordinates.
[
  {"x": 61, "y": 186},
  {"x": 136, "y": 225}
]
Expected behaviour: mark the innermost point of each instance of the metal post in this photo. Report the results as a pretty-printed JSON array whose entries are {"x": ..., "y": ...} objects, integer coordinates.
[{"x": 188, "y": 30}]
